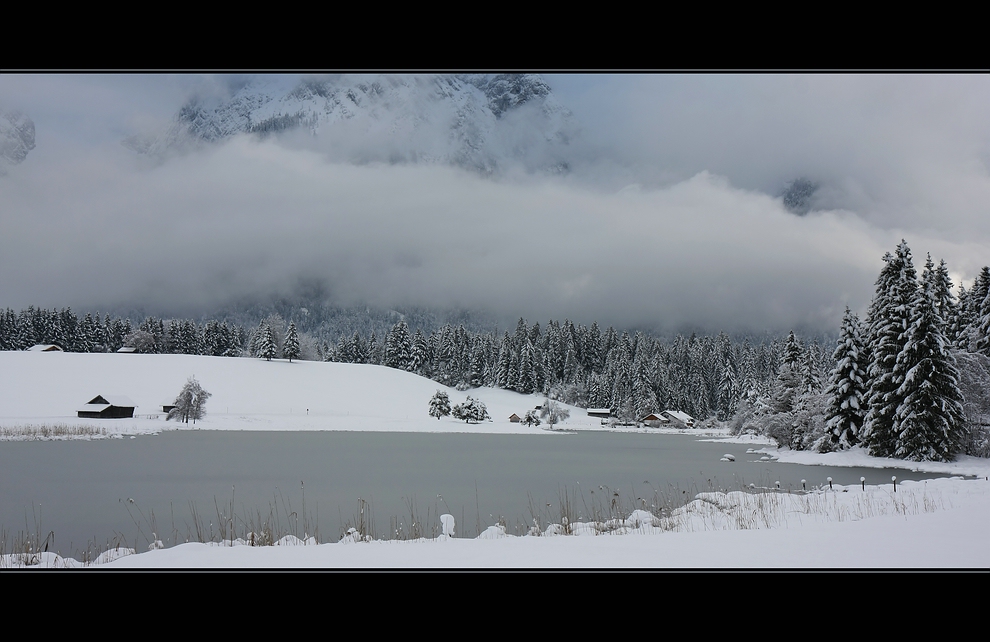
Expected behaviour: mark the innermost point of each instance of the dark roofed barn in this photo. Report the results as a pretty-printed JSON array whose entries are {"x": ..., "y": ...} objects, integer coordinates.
[{"x": 107, "y": 407}]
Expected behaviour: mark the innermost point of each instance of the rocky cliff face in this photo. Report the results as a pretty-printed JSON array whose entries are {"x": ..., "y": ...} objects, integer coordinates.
[
  {"x": 16, "y": 138},
  {"x": 481, "y": 122}
]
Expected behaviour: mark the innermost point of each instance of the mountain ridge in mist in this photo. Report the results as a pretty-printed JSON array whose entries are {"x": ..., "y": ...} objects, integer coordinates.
[{"x": 480, "y": 122}]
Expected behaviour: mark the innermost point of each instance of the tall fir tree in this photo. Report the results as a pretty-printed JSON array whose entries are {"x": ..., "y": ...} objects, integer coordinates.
[
  {"x": 972, "y": 317},
  {"x": 792, "y": 350},
  {"x": 847, "y": 389},
  {"x": 267, "y": 348},
  {"x": 982, "y": 326},
  {"x": 398, "y": 347},
  {"x": 810, "y": 380},
  {"x": 929, "y": 420},
  {"x": 291, "y": 348},
  {"x": 945, "y": 301},
  {"x": 420, "y": 361},
  {"x": 890, "y": 318}
]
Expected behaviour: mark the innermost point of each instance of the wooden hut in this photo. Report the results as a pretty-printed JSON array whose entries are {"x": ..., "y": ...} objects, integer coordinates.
[
  {"x": 108, "y": 407},
  {"x": 43, "y": 347}
]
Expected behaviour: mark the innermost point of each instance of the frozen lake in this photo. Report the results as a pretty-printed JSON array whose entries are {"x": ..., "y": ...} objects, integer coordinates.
[{"x": 81, "y": 489}]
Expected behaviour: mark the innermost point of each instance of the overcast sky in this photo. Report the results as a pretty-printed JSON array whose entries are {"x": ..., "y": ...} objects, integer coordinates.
[{"x": 670, "y": 216}]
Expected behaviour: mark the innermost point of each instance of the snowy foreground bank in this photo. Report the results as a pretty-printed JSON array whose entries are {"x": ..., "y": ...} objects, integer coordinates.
[{"x": 940, "y": 523}]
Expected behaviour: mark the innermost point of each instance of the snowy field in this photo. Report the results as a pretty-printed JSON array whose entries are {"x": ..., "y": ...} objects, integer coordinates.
[
  {"x": 46, "y": 389},
  {"x": 943, "y": 523}
]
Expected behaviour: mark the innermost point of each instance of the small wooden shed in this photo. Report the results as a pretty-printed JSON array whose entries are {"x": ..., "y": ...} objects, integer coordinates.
[
  {"x": 514, "y": 418},
  {"x": 601, "y": 413},
  {"x": 44, "y": 347},
  {"x": 108, "y": 407}
]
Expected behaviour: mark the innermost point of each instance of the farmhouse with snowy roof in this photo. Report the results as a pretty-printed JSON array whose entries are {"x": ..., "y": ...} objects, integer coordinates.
[
  {"x": 655, "y": 420},
  {"x": 108, "y": 407},
  {"x": 678, "y": 418}
]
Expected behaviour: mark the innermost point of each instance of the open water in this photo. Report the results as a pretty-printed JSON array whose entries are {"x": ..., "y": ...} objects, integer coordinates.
[{"x": 184, "y": 485}]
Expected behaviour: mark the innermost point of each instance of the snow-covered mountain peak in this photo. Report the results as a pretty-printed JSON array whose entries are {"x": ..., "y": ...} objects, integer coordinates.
[{"x": 483, "y": 122}]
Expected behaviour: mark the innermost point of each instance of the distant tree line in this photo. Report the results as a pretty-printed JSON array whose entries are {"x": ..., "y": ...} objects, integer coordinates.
[
  {"x": 20, "y": 331},
  {"x": 632, "y": 374}
]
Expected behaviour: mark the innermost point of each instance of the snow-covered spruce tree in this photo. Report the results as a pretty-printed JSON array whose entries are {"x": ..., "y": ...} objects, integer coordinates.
[
  {"x": 526, "y": 383},
  {"x": 945, "y": 301},
  {"x": 974, "y": 383},
  {"x": 786, "y": 389},
  {"x": 792, "y": 350},
  {"x": 398, "y": 347},
  {"x": 847, "y": 388},
  {"x": 255, "y": 344},
  {"x": 476, "y": 371},
  {"x": 420, "y": 363},
  {"x": 889, "y": 320},
  {"x": 728, "y": 391},
  {"x": 276, "y": 324},
  {"x": 291, "y": 348},
  {"x": 267, "y": 348},
  {"x": 982, "y": 325},
  {"x": 810, "y": 381},
  {"x": 440, "y": 405},
  {"x": 191, "y": 402},
  {"x": 929, "y": 420},
  {"x": 970, "y": 316}
]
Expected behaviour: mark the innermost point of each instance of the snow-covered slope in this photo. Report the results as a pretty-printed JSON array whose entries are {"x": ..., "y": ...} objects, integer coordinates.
[
  {"x": 39, "y": 388},
  {"x": 479, "y": 121}
]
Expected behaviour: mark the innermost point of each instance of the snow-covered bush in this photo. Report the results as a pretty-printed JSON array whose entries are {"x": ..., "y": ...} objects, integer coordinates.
[
  {"x": 553, "y": 413},
  {"x": 141, "y": 341},
  {"x": 471, "y": 410}
]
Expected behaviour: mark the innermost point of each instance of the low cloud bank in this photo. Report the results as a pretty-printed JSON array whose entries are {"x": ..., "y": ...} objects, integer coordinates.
[{"x": 252, "y": 218}]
